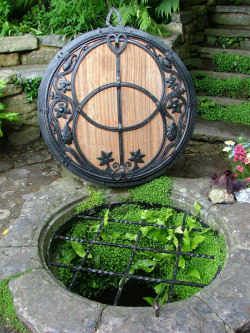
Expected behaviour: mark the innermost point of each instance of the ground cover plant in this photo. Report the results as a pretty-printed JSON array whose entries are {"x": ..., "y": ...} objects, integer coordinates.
[
  {"x": 232, "y": 113},
  {"x": 7, "y": 311},
  {"x": 145, "y": 263},
  {"x": 30, "y": 87},
  {"x": 4, "y": 115},
  {"x": 71, "y": 17},
  {"x": 227, "y": 62},
  {"x": 234, "y": 87}
]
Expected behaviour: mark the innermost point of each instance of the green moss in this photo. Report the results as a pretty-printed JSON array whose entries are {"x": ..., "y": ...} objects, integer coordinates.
[
  {"x": 110, "y": 258},
  {"x": 232, "y": 113},
  {"x": 231, "y": 63},
  {"x": 95, "y": 199},
  {"x": 235, "y": 87},
  {"x": 156, "y": 191},
  {"x": 7, "y": 311}
]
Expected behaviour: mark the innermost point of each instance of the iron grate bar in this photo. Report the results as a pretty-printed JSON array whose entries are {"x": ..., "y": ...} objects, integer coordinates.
[
  {"x": 125, "y": 275},
  {"x": 86, "y": 255},
  {"x": 87, "y": 217},
  {"x": 177, "y": 261},
  {"x": 130, "y": 276},
  {"x": 127, "y": 270},
  {"x": 190, "y": 254}
]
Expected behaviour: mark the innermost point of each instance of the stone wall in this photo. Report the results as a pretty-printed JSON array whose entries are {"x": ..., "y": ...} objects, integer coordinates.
[
  {"x": 191, "y": 21},
  {"x": 29, "y": 56}
]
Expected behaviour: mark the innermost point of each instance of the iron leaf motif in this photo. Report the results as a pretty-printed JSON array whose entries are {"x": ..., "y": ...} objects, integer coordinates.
[
  {"x": 67, "y": 64},
  {"x": 62, "y": 110},
  {"x": 105, "y": 159},
  {"x": 165, "y": 64},
  {"x": 67, "y": 135},
  {"x": 172, "y": 131},
  {"x": 137, "y": 157},
  {"x": 171, "y": 82},
  {"x": 175, "y": 105},
  {"x": 64, "y": 85}
]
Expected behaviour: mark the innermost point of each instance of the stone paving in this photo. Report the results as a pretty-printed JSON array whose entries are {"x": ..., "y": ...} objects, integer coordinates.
[{"x": 45, "y": 306}]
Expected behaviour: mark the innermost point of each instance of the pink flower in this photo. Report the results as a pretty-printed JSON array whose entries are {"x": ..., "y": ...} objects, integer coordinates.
[
  {"x": 236, "y": 174},
  {"x": 238, "y": 167},
  {"x": 241, "y": 169},
  {"x": 247, "y": 180}
]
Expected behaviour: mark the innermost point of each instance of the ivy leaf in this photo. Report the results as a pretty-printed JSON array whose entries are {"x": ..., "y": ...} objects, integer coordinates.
[
  {"x": 150, "y": 300},
  {"x": 197, "y": 207},
  {"x": 129, "y": 236},
  {"x": 106, "y": 217},
  {"x": 194, "y": 272},
  {"x": 80, "y": 249},
  {"x": 178, "y": 230},
  {"x": 115, "y": 235},
  {"x": 145, "y": 230},
  {"x": 169, "y": 213},
  {"x": 146, "y": 265},
  {"x": 104, "y": 236},
  {"x": 190, "y": 223},
  {"x": 181, "y": 262},
  {"x": 94, "y": 228},
  {"x": 176, "y": 242},
  {"x": 68, "y": 257},
  {"x": 196, "y": 241},
  {"x": 170, "y": 234},
  {"x": 186, "y": 242}
]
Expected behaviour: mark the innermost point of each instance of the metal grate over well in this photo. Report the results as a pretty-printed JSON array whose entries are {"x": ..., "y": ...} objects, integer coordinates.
[{"x": 92, "y": 215}]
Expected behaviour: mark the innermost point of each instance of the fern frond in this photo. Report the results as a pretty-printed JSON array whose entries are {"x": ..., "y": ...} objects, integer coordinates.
[{"x": 166, "y": 7}]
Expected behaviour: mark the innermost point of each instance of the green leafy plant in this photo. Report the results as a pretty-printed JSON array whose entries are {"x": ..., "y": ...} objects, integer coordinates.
[
  {"x": 30, "y": 87},
  {"x": 232, "y": 113},
  {"x": 7, "y": 311},
  {"x": 226, "y": 42},
  {"x": 227, "y": 62},
  {"x": 146, "y": 263},
  {"x": 72, "y": 17},
  {"x": 235, "y": 87},
  {"x": 5, "y": 115}
]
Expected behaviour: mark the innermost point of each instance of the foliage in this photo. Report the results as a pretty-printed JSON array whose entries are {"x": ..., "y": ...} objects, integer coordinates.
[
  {"x": 145, "y": 263},
  {"x": 72, "y": 17},
  {"x": 30, "y": 87},
  {"x": 5, "y": 115},
  {"x": 228, "y": 180},
  {"x": 95, "y": 199},
  {"x": 227, "y": 62},
  {"x": 239, "y": 156},
  {"x": 156, "y": 191},
  {"x": 232, "y": 113},
  {"x": 7, "y": 311},
  {"x": 226, "y": 42},
  {"x": 235, "y": 87}
]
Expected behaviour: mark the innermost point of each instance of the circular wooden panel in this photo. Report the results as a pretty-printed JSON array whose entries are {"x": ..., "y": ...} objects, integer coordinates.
[{"x": 117, "y": 106}]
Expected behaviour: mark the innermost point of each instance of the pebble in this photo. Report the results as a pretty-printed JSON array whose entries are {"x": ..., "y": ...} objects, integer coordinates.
[
  {"x": 6, "y": 193},
  {"x": 4, "y": 213},
  {"x": 22, "y": 172}
]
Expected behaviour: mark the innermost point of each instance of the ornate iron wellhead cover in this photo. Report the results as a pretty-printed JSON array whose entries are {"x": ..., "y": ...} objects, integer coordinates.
[{"x": 117, "y": 106}]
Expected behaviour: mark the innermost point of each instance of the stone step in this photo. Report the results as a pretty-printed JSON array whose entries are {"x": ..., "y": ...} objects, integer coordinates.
[
  {"x": 224, "y": 101},
  {"x": 208, "y": 52},
  {"x": 26, "y": 71},
  {"x": 232, "y": 9},
  {"x": 213, "y": 131},
  {"x": 231, "y": 19},
  {"x": 227, "y": 33},
  {"x": 220, "y": 75}
]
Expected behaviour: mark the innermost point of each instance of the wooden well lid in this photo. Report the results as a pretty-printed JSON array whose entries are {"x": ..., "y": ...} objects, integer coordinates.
[{"x": 117, "y": 106}]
